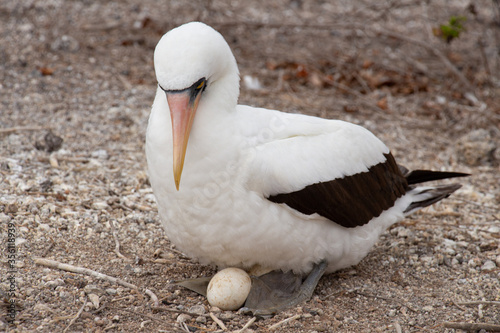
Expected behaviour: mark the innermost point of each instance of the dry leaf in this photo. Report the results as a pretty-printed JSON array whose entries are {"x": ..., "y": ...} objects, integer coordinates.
[
  {"x": 350, "y": 108},
  {"x": 302, "y": 71},
  {"x": 46, "y": 71},
  {"x": 367, "y": 64},
  {"x": 382, "y": 103}
]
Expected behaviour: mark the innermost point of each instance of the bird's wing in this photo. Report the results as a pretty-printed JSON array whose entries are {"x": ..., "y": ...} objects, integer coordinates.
[{"x": 338, "y": 170}]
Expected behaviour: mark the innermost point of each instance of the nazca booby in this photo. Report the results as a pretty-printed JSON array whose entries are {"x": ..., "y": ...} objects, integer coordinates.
[{"x": 261, "y": 189}]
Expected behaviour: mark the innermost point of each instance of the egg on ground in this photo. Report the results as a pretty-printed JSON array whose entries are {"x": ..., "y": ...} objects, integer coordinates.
[{"x": 229, "y": 289}]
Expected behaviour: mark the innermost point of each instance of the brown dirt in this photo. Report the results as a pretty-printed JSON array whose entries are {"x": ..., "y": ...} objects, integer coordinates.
[{"x": 83, "y": 70}]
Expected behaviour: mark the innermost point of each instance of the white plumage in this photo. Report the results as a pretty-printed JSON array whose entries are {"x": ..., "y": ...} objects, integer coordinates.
[{"x": 238, "y": 156}]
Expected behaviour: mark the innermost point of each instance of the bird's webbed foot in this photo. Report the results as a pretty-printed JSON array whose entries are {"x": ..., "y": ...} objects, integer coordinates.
[
  {"x": 198, "y": 285},
  {"x": 276, "y": 291}
]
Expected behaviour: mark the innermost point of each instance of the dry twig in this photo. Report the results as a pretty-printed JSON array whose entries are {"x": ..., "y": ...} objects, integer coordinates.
[
  {"x": 472, "y": 326},
  {"x": 81, "y": 270},
  {"x": 480, "y": 302},
  {"x": 145, "y": 315},
  {"x": 459, "y": 306},
  {"x": 109, "y": 327},
  {"x": 165, "y": 309},
  {"x": 218, "y": 321},
  {"x": 397, "y": 327},
  {"x": 248, "y": 324},
  {"x": 77, "y": 315},
  {"x": 49, "y": 248},
  {"x": 117, "y": 243},
  {"x": 21, "y": 128},
  {"x": 275, "y": 326},
  {"x": 153, "y": 297}
]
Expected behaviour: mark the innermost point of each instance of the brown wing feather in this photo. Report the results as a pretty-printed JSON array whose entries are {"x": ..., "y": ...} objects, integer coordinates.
[{"x": 353, "y": 200}]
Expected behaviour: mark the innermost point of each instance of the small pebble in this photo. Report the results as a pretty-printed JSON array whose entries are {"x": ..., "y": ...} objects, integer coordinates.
[
  {"x": 100, "y": 205},
  {"x": 65, "y": 296},
  {"x": 95, "y": 300},
  {"x": 450, "y": 251},
  {"x": 54, "y": 283},
  {"x": 53, "y": 161},
  {"x": 42, "y": 309},
  {"x": 92, "y": 289},
  {"x": 494, "y": 229},
  {"x": 11, "y": 208},
  {"x": 428, "y": 308},
  {"x": 227, "y": 315},
  {"x": 405, "y": 232},
  {"x": 198, "y": 309},
  {"x": 100, "y": 322},
  {"x": 474, "y": 262},
  {"x": 488, "y": 266},
  {"x": 4, "y": 218},
  {"x": 44, "y": 227},
  {"x": 101, "y": 153},
  {"x": 440, "y": 99},
  {"x": 111, "y": 291},
  {"x": 29, "y": 291},
  {"x": 252, "y": 82},
  {"x": 183, "y": 318},
  {"x": 215, "y": 309},
  {"x": 20, "y": 241},
  {"x": 65, "y": 43},
  {"x": 86, "y": 315}
]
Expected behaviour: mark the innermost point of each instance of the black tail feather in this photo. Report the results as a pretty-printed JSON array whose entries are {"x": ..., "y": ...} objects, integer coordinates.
[
  {"x": 430, "y": 194},
  {"x": 437, "y": 193},
  {"x": 421, "y": 176}
]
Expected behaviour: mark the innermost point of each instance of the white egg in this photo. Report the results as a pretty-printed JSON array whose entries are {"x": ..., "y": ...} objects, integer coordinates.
[{"x": 229, "y": 289}]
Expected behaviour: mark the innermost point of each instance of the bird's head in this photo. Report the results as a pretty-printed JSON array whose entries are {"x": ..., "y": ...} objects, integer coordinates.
[{"x": 193, "y": 64}]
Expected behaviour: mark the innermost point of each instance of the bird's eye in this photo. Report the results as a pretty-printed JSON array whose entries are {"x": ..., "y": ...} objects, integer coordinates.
[{"x": 201, "y": 85}]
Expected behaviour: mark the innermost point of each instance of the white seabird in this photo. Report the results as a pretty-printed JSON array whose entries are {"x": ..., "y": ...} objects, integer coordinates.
[{"x": 261, "y": 189}]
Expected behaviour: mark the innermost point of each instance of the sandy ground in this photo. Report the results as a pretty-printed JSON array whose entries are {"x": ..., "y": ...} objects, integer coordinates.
[{"x": 76, "y": 86}]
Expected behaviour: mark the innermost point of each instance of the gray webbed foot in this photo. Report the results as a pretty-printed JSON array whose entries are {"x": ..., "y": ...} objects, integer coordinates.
[
  {"x": 198, "y": 285},
  {"x": 276, "y": 291}
]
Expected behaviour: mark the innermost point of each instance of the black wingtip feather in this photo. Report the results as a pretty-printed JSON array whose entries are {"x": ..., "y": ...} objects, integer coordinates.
[
  {"x": 438, "y": 193},
  {"x": 421, "y": 176}
]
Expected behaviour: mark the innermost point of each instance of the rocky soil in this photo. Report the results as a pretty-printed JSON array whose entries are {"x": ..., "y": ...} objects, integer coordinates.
[{"x": 76, "y": 86}]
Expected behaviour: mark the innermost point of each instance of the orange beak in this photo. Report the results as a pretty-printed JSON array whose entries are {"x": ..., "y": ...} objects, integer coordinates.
[{"x": 183, "y": 105}]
